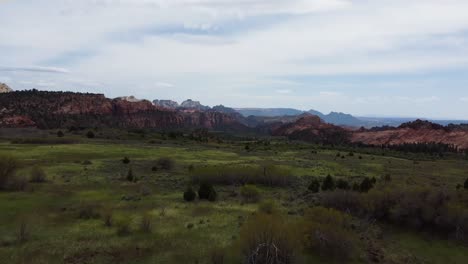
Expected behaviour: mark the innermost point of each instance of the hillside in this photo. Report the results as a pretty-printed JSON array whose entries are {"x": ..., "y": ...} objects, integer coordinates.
[
  {"x": 414, "y": 132},
  {"x": 65, "y": 109}
]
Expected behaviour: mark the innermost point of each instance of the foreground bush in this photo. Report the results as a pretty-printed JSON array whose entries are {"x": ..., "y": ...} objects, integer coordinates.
[
  {"x": 268, "y": 239},
  {"x": 146, "y": 223},
  {"x": 314, "y": 186},
  {"x": 189, "y": 195},
  {"x": 416, "y": 208},
  {"x": 8, "y": 167},
  {"x": 250, "y": 193},
  {"x": 328, "y": 232},
  {"x": 328, "y": 183},
  {"x": 241, "y": 175},
  {"x": 207, "y": 192},
  {"x": 166, "y": 163},
  {"x": 268, "y": 207},
  {"x": 123, "y": 226},
  {"x": 38, "y": 175}
]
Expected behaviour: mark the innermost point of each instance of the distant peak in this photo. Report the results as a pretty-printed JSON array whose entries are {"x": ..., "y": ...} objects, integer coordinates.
[{"x": 5, "y": 88}]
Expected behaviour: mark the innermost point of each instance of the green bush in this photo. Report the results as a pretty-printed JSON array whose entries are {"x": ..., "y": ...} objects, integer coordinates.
[
  {"x": 88, "y": 211},
  {"x": 125, "y": 160},
  {"x": 130, "y": 176},
  {"x": 207, "y": 192},
  {"x": 342, "y": 184},
  {"x": 166, "y": 163},
  {"x": 189, "y": 194},
  {"x": 329, "y": 233},
  {"x": 90, "y": 134},
  {"x": 250, "y": 193},
  {"x": 38, "y": 175},
  {"x": 268, "y": 207},
  {"x": 466, "y": 184},
  {"x": 146, "y": 224},
  {"x": 123, "y": 226},
  {"x": 8, "y": 167},
  {"x": 240, "y": 175},
  {"x": 314, "y": 186},
  {"x": 217, "y": 256},
  {"x": 366, "y": 185},
  {"x": 24, "y": 231},
  {"x": 60, "y": 134},
  {"x": 328, "y": 183},
  {"x": 108, "y": 217},
  {"x": 268, "y": 239}
]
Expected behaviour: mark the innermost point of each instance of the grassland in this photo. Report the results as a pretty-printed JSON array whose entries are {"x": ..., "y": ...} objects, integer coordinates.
[{"x": 90, "y": 176}]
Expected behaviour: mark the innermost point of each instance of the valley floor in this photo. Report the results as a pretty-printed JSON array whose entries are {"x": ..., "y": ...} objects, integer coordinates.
[{"x": 65, "y": 217}]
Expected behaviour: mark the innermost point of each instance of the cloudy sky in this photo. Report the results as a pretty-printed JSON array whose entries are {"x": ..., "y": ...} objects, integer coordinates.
[{"x": 365, "y": 57}]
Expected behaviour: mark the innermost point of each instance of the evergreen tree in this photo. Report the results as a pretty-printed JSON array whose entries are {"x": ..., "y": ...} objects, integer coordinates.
[
  {"x": 314, "y": 186},
  {"x": 328, "y": 183}
]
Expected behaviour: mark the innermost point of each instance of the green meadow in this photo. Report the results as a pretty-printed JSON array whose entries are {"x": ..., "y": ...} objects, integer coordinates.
[{"x": 87, "y": 211}]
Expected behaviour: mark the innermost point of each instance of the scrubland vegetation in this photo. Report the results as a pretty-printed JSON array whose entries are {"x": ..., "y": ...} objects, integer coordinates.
[{"x": 151, "y": 197}]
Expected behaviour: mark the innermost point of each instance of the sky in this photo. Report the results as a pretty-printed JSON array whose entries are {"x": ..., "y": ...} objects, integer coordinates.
[{"x": 400, "y": 58}]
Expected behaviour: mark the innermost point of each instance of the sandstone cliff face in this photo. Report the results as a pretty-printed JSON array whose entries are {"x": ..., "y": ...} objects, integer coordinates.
[
  {"x": 312, "y": 128},
  {"x": 64, "y": 109},
  {"x": 414, "y": 132},
  {"x": 169, "y": 104}
]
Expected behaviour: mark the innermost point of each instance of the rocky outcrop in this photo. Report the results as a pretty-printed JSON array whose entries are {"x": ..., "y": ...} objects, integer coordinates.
[
  {"x": 130, "y": 98},
  {"x": 193, "y": 105},
  {"x": 414, "y": 132},
  {"x": 5, "y": 88},
  {"x": 313, "y": 129},
  {"x": 169, "y": 104},
  {"x": 65, "y": 109}
]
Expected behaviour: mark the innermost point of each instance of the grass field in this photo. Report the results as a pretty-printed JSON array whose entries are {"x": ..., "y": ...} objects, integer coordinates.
[{"x": 88, "y": 178}]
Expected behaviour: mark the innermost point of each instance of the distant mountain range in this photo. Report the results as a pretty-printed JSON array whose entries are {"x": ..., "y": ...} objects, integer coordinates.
[{"x": 54, "y": 110}]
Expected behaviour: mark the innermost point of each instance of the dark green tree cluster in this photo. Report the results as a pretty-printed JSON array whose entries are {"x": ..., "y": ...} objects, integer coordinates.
[{"x": 206, "y": 191}]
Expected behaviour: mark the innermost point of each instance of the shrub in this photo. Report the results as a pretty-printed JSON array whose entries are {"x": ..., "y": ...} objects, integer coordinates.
[
  {"x": 342, "y": 184},
  {"x": 60, "y": 134},
  {"x": 23, "y": 232},
  {"x": 207, "y": 192},
  {"x": 328, "y": 232},
  {"x": 123, "y": 226},
  {"x": 267, "y": 239},
  {"x": 130, "y": 176},
  {"x": 217, "y": 256},
  {"x": 146, "y": 224},
  {"x": 90, "y": 134},
  {"x": 366, "y": 185},
  {"x": 240, "y": 175},
  {"x": 165, "y": 163},
  {"x": 88, "y": 211},
  {"x": 250, "y": 193},
  {"x": 125, "y": 160},
  {"x": 189, "y": 194},
  {"x": 345, "y": 201},
  {"x": 108, "y": 217},
  {"x": 267, "y": 207},
  {"x": 328, "y": 183},
  {"x": 314, "y": 186},
  {"x": 18, "y": 184},
  {"x": 8, "y": 167},
  {"x": 38, "y": 175},
  {"x": 466, "y": 184}
]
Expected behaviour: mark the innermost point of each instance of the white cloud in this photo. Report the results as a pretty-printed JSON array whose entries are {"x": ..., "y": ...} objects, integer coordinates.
[
  {"x": 214, "y": 48},
  {"x": 164, "y": 85},
  {"x": 34, "y": 69},
  {"x": 284, "y": 91},
  {"x": 464, "y": 99}
]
